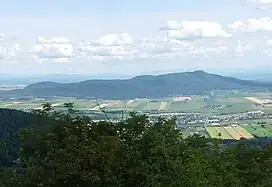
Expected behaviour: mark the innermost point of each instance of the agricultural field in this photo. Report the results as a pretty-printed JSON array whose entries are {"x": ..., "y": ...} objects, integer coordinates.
[
  {"x": 212, "y": 132},
  {"x": 163, "y": 106},
  {"x": 255, "y": 100},
  {"x": 215, "y": 103},
  {"x": 193, "y": 105},
  {"x": 231, "y": 132},
  {"x": 258, "y": 130},
  {"x": 234, "y": 134},
  {"x": 262, "y": 95},
  {"x": 268, "y": 127},
  {"x": 152, "y": 106}
]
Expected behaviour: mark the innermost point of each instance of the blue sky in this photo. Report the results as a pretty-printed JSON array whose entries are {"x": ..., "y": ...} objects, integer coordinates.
[
  {"x": 133, "y": 37},
  {"x": 110, "y": 6}
]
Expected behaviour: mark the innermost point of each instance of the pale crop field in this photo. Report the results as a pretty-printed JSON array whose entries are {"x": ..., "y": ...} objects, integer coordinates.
[
  {"x": 228, "y": 132},
  {"x": 255, "y": 100},
  {"x": 233, "y": 133},
  {"x": 243, "y": 132},
  {"x": 163, "y": 105}
]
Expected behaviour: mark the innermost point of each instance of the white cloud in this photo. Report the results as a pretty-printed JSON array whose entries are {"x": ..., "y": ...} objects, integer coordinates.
[
  {"x": 191, "y": 30},
  {"x": 52, "y": 40},
  {"x": 11, "y": 52},
  {"x": 122, "y": 49},
  {"x": 260, "y": 4},
  {"x": 110, "y": 46},
  {"x": 179, "y": 45},
  {"x": 252, "y": 25},
  {"x": 57, "y": 49},
  {"x": 172, "y": 25},
  {"x": 269, "y": 42},
  {"x": 114, "y": 39},
  {"x": 53, "y": 51},
  {"x": 2, "y": 36}
]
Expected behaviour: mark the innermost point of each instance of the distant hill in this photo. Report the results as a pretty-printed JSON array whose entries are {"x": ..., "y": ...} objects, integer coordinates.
[{"x": 187, "y": 83}]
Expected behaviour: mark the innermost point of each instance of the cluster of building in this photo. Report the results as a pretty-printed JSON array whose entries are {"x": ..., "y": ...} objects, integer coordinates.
[{"x": 194, "y": 118}]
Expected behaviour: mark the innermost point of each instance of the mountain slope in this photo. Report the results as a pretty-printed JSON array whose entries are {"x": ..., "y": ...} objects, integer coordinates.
[{"x": 196, "y": 82}]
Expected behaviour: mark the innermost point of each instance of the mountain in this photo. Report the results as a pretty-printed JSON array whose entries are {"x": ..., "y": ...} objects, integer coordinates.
[{"x": 187, "y": 83}]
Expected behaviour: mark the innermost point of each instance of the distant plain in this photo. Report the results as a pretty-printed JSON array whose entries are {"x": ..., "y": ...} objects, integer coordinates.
[{"x": 215, "y": 103}]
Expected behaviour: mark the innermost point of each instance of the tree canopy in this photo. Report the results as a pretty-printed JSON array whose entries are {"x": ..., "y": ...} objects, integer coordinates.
[{"x": 72, "y": 150}]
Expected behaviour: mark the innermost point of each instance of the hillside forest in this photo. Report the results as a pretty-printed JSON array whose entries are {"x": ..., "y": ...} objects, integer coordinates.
[{"x": 48, "y": 148}]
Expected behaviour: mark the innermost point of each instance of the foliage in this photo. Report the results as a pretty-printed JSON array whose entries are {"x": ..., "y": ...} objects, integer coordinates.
[
  {"x": 11, "y": 121},
  {"x": 73, "y": 150}
]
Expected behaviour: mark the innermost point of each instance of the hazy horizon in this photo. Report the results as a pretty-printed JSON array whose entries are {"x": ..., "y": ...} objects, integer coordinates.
[{"x": 216, "y": 71}]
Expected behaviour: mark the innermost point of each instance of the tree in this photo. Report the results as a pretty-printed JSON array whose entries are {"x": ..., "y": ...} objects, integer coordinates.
[{"x": 72, "y": 150}]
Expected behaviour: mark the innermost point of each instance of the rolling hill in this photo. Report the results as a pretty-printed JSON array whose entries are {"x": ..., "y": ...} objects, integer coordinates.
[{"x": 186, "y": 83}]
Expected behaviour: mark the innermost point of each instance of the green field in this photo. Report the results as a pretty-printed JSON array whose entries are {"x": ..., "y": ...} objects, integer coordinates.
[
  {"x": 215, "y": 103},
  {"x": 268, "y": 127},
  {"x": 258, "y": 130},
  {"x": 228, "y": 132},
  {"x": 223, "y": 133},
  {"x": 188, "y": 106},
  {"x": 212, "y": 132},
  {"x": 244, "y": 133}
]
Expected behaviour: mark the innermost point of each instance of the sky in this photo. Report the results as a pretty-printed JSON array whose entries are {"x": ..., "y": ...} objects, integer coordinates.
[{"x": 132, "y": 37}]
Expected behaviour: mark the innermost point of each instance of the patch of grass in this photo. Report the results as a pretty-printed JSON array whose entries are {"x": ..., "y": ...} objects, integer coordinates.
[
  {"x": 258, "y": 130},
  {"x": 187, "y": 106},
  {"x": 268, "y": 127}
]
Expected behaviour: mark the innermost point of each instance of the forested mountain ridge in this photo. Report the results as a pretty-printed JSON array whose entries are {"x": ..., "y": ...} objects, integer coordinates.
[{"x": 197, "y": 82}]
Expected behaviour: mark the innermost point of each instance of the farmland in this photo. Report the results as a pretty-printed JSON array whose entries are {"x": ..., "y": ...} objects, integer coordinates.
[
  {"x": 214, "y": 103},
  {"x": 196, "y": 112},
  {"x": 258, "y": 130},
  {"x": 236, "y": 132}
]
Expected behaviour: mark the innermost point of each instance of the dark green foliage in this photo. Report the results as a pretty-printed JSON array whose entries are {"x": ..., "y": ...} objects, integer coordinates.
[
  {"x": 187, "y": 83},
  {"x": 71, "y": 150},
  {"x": 11, "y": 121}
]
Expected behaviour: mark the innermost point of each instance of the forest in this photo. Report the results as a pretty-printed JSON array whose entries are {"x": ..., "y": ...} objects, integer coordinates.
[{"x": 56, "y": 149}]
